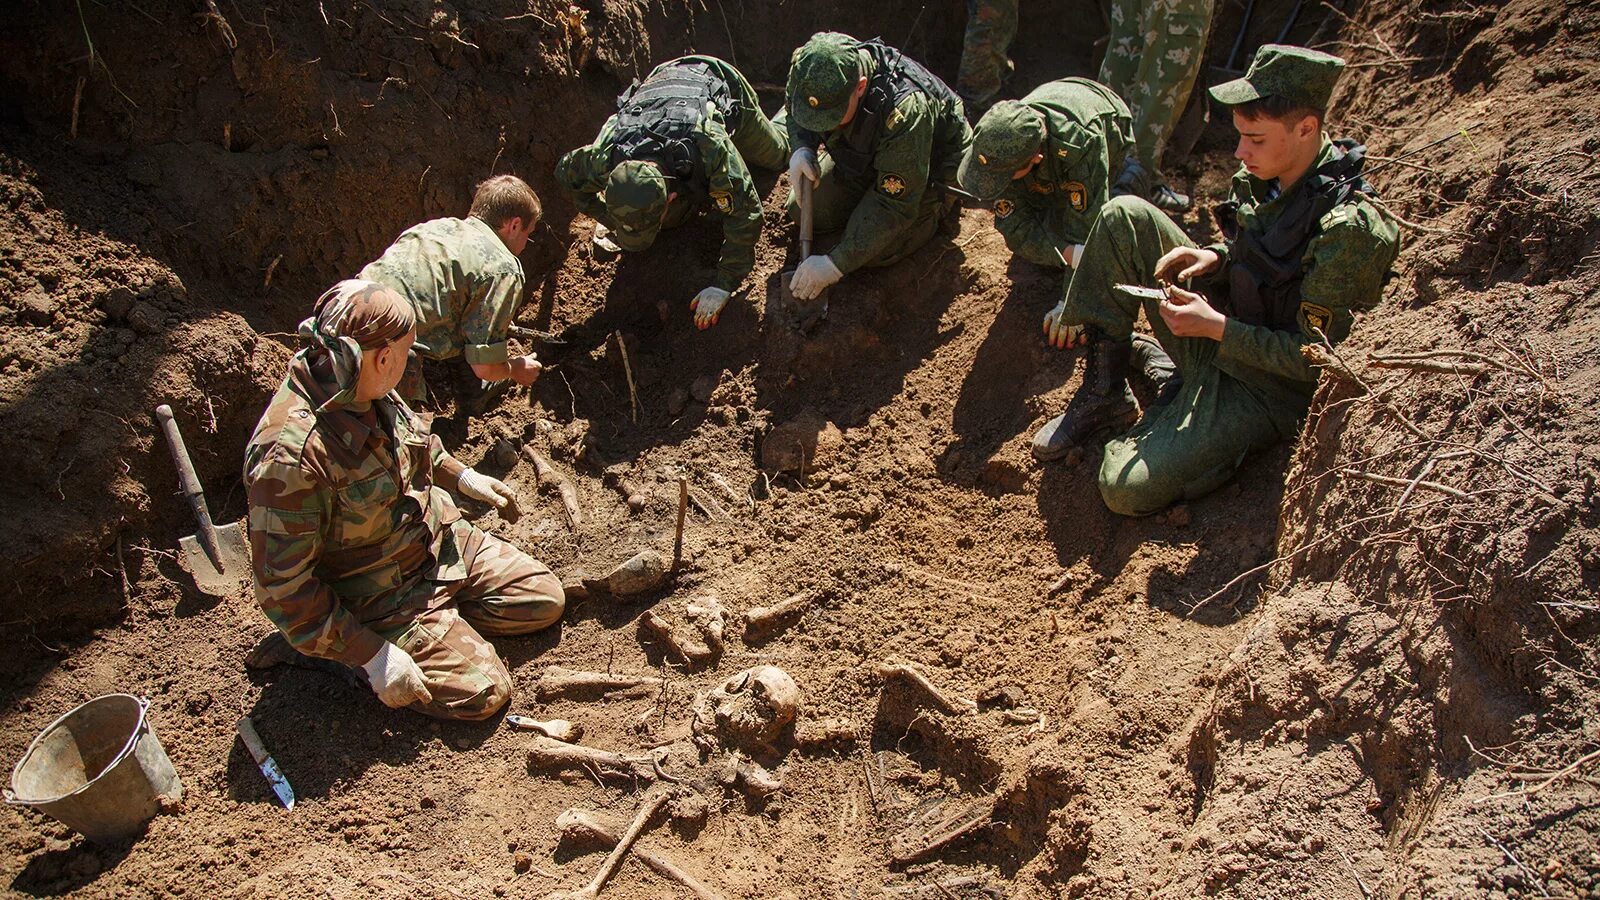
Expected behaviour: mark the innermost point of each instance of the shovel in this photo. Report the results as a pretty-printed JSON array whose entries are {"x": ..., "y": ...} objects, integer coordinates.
[
  {"x": 217, "y": 558},
  {"x": 808, "y": 312}
]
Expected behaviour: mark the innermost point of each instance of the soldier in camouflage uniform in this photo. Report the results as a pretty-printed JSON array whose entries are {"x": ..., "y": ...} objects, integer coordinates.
[
  {"x": 1154, "y": 55},
  {"x": 463, "y": 279},
  {"x": 359, "y": 555},
  {"x": 1048, "y": 162},
  {"x": 1309, "y": 251},
  {"x": 991, "y": 25},
  {"x": 683, "y": 139},
  {"x": 893, "y": 133}
]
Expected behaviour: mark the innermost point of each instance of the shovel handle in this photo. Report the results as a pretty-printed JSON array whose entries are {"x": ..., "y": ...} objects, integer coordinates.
[
  {"x": 190, "y": 483},
  {"x": 807, "y": 222}
]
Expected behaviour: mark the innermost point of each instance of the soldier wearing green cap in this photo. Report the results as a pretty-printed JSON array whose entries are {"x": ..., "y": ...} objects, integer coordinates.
[
  {"x": 1048, "y": 162},
  {"x": 1310, "y": 250},
  {"x": 893, "y": 133},
  {"x": 1154, "y": 54},
  {"x": 681, "y": 139}
]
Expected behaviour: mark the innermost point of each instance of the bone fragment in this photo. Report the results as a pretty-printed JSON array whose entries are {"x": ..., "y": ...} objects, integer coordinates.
[
  {"x": 582, "y": 823},
  {"x": 763, "y": 619},
  {"x": 697, "y": 641},
  {"x": 547, "y": 754},
  {"x": 557, "y": 682},
  {"x": 608, "y": 868},
  {"x": 823, "y": 732},
  {"x": 954, "y": 706},
  {"x": 639, "y": 574},
  {"x": 550, "y": 478},
  {"x": 963, "y": 822}
]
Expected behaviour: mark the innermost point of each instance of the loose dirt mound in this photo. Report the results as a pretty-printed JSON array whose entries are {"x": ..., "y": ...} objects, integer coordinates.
[{"x": 1144, "y": 724}]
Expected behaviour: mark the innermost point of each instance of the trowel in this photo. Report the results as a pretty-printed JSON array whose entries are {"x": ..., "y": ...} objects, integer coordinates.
[
  {"x": 807, "y": 312},
  {"x": 217, "y": 558}
]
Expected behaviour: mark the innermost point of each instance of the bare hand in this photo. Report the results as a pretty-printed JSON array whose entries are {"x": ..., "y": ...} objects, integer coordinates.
[
  {"x": 1184, "y": 263},
  {"x": 525, "y": 369},
  {"x": 1190, "y": 315}
]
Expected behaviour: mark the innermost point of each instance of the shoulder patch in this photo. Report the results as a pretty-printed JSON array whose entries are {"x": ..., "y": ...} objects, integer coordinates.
[
  {"x": 1003, "y": 208},
  {"x": 723, "y": 201},
  {"x": 898, "y": 116},
  {"x": 892, "y": 184},
  {"x": 1342, "y": 214},
  {"x": 1077, "y": 194},
  {"x": 1315, "y": 317},
  {"x": 1042, "y": 187}
]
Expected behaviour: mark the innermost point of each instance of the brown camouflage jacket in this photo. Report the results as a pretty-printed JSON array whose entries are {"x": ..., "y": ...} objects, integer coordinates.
[{"x": 346, "y": 521}]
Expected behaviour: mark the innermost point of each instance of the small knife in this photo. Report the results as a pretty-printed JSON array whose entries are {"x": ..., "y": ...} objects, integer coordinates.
[{"x": 265, "y": 762}]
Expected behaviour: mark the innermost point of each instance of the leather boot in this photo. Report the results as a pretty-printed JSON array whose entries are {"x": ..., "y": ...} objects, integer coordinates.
[
  {"x": 1158, "y": 379},
  {"x": 1103, "y": 402}
]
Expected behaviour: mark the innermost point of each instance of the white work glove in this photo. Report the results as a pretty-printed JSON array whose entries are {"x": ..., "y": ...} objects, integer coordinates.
[
  {"x": 492, "y": 491},
  {"x": 1059, "y": 334},
  {"x": 603, "y": 240},
  {"x": 803, "y": 162},
  {"x": 396, "y": 678},
  {"x": 815, "y": 274},
  {"x": 707, "y": 305},
  {"x": 1073, "y": 254}
]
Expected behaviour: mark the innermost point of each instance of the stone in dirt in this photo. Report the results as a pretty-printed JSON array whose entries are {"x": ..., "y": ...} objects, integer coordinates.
[{"x": 808, "y": 440}]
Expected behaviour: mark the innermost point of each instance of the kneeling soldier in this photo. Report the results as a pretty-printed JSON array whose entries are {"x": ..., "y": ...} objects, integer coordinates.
[
  {"x": 359, "y": 555},
  {"x": 683, "y": 137},
  {"x": 1049, "y": 162},
  {"x": 894, "y": 135},
  {"x": 1310, "y": 250}
]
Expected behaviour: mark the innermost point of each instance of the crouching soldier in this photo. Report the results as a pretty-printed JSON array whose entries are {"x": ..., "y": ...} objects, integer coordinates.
[
  {"x": 1048, "y": 162},
  {"x": 463, "y": 280},
  {"x": 1310, "y": 250},
  {"x": 893, "y": 135},
  {"x": 359, "y": 554},
  {"x": 681, "y": 140}
]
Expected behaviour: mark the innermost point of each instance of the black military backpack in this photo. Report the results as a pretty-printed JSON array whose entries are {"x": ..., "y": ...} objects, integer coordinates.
[{"x": 656, "y": 119}]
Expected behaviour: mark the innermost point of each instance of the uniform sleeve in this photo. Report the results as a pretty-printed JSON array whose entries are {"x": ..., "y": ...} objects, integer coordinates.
[
  {"x": 484, "y": 327},
  {"x": 1345, "y": 267},
  {"x": 1026, "y": 226},
  {"x": 891, "y": 204},
  {"x": 582, "y": 172},
  {"x": 446, "y": 468},
  {"x": 1092, "y": 170},
  {"x": 290, "y": 513},
  {"x": 734, "y": 197}
]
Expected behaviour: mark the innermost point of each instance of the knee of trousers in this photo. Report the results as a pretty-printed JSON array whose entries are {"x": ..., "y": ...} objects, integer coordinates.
[
  {"x": 544, "y": 601},
  {"x": 487, "y": 701},
  {"x": 1127, "y": 208},
  {"x": 1127, "y": 484}
]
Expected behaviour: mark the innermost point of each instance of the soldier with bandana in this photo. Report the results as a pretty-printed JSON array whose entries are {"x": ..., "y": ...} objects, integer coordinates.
[
  {"x": 1155, "y": 53},
  {"x": 991, "y": 25},
  {"x": 683, "y": 138},
  {"x": 359, "y": 555},
  {"x": 463, "y": 280},
  {"x": 1048, "y": 162},
  {"x": 1310, "y": 250},
  {"x": 879, "y": 136}
]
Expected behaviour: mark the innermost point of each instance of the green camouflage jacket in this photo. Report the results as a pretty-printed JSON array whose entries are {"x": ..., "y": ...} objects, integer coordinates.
[
  {"x": 731, "y": 192},
  {"x": 1344, "y": 268},
  {"x": 906, "y": 150},
  {"x": 1088, "y": 135},
  {"x": 346, "y": 521},
  {"x": 463, "y": 282}
]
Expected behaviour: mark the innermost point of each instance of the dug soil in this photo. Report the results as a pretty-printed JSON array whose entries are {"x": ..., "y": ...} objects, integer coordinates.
[{"x": 1366, "y": 667}]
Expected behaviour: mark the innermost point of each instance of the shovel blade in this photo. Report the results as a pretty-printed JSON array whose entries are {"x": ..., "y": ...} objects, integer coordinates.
[{"x": 223, "y": 576}]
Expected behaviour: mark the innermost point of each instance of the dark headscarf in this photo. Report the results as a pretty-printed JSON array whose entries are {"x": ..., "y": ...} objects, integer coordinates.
[{"x": 352, "y": 316}]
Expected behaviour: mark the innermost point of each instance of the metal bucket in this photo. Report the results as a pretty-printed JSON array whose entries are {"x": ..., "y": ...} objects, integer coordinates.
[{"x": 99, "y": 769}]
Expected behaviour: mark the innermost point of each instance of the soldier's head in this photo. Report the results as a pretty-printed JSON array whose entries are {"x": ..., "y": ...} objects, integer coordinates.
[
  {"x": 1279, "y": 107},
  {"x": 508, "y": 205},
  {"x": 367, "y": 329},
  {"x": 827, "y": 78},
  {"x": 1007, "y": 144},
  {"x": 637, "y": 194}
]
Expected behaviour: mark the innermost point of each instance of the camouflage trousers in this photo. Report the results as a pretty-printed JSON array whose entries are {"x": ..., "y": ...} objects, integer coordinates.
[
  {"x": 505, "y": 592},
  {"x": 991, "y": 25},
  {"x": 1155, "y": 53},
  {"x": 1193, "y": 444}
]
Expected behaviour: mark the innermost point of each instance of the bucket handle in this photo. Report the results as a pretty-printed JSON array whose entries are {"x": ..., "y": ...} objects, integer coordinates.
[{"x": 142, "y": 727}]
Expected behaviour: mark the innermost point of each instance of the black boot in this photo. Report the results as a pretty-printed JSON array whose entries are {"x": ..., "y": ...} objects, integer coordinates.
[
  {"x": 1158, "y": 380},
  {"x": 1103, "y": 402}
]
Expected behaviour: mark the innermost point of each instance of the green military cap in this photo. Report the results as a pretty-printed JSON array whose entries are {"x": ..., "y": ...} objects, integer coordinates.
[
  {"x": 822, "y": 76},
  {"x": 1006, "y": 139},
  {"x": 1303, "y": 77},
  {"x": 636, "y": 195}
]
